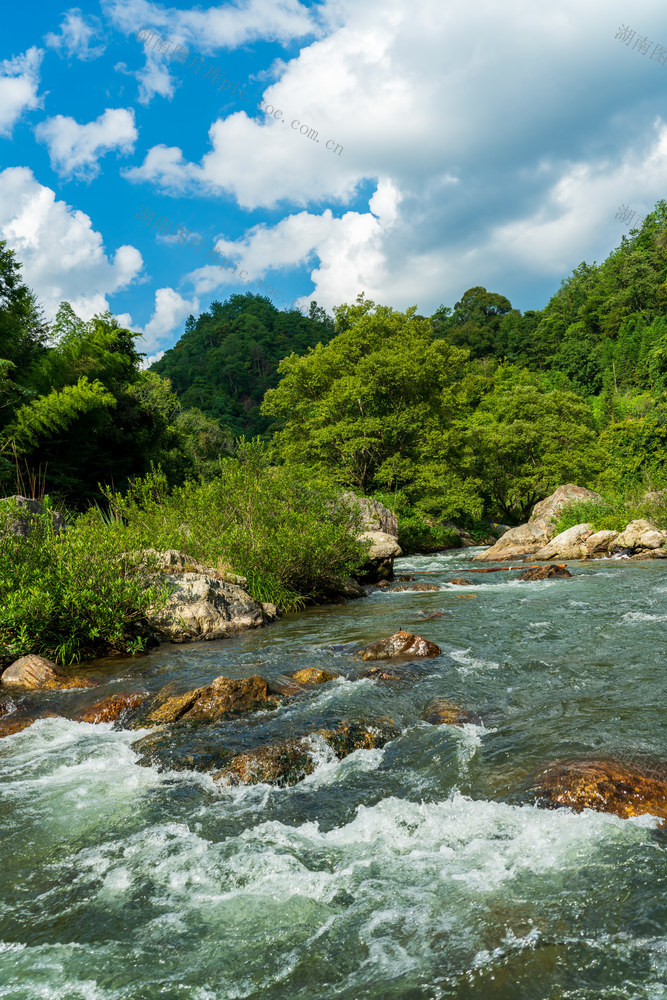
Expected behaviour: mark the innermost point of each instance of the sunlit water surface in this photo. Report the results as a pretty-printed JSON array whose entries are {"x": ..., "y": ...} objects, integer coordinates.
[{"x": 422, "y": 870}]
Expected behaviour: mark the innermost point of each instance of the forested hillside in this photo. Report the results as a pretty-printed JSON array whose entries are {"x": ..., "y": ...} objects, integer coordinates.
[
  {"x": 474, "y": 413},
  {"x": 227, "y": 358}
]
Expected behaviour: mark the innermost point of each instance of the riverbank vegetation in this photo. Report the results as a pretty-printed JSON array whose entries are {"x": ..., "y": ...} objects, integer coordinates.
[{"x": 465, "y": 417}]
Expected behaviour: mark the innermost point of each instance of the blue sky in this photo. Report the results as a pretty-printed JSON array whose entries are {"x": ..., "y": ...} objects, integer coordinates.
[{"x": 410, "y": 150}]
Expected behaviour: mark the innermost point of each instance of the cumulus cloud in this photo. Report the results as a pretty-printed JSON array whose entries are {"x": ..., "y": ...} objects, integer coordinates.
[
  {"x": 63, "y": 257},
  {"x": 170, "y": 311},
  {"x": 222, "y": 26},
  {"x": 19, "y": 81},
  {"x": 74, "y": 149},
  {"x": 478, "y": 125},
  {"x": 75, "y": 36}
]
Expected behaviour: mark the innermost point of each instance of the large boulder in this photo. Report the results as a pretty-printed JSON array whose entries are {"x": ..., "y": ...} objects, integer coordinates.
[
  {"x": 400, "y": 645},
  {"x": 527, "y": 539},
  {"x": 639, "y": 536},
  {"x": 379, "y": 526},
  {"x": 569, "y": 544},
  {"x": 598, "y": 543},
  {"x": 28, "y": 512},
  {"x": 201, "y": 607},
  {"x": 549, "y": 508},
  {"x": 175, "y": 562},
  {"x": 33, "y": 673},
  {"x": 519, "y": 542},
  {"x": 374, "y": 515},
  {"x": 603, "y": 785}
]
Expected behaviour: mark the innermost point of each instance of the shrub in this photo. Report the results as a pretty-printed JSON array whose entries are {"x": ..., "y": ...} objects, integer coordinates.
[
  {"x": 71, "y": 595},
  {"x": 290, "y": 534},
  {"x": 613, "y": 513}
]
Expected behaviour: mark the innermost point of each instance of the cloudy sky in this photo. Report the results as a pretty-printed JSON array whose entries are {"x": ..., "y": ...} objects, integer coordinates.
[{"x": 408, "y": 149}]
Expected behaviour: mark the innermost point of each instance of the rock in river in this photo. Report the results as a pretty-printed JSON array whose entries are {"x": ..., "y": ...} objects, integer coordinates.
[
  {"x": 201, "y": 607},
  {"x": 543, "y": 573},
  {"x": 290, "y": 761},
  {"x": 441, "y": 712},
  {"x": 603, "y": 785},
  {"x": 312, "y": 675},
  {"x": 32, "y": 672},
  {"x": 403, "y": 645},
  {"x": 223, "y": 696},
  {"x": 113, "y": 708}
]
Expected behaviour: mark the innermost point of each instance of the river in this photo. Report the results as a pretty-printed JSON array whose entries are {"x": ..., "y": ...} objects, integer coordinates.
[{"x": 421, "y": 870}]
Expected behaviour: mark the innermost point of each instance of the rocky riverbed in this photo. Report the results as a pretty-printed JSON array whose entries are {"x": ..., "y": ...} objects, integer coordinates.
[{"x": 280, "y": 814}]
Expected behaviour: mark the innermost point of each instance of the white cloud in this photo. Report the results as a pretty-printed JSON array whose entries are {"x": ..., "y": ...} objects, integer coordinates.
[
  {"x": 75, "y": 37},
  {"x": 75, "y": 149},
  {"x": 170, "y": 311},
  {"x": 19, "y": 80},
  {"x": 222, "y": 26},
  {"x": 63, "y": 257}
]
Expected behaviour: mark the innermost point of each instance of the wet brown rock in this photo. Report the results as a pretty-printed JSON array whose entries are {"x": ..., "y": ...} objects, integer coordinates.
[
  {"x": 544, "y": 572},
  {"x": 389, "y": 674},
  {"x": 466, "y": 597},
  {"x": 224, "y": 696},
  {"x": 428, "y": 615},
  {"x": 17, "y": 723},
  {"x": 405, "y": 577},
  {"x": 113, "y": 708},
  {"x": 418, "y": 586},
  {"x": 400, "y": 645},
  {"x": 603, "y": 785},
  {"x": 383, "y": 584},
  {"x": 288, "y": 762},
  {"x": 312, "y": 675},
  {"x": 32, "y": 673},
  {"x": 460, "y": 582},
  {"x": 441, "y": 712}
]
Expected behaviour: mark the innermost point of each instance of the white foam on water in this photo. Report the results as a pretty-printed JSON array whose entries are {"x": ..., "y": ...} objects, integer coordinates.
[
  {"x": 469, "y": 664},
  {"x": 633, "y": 617}
]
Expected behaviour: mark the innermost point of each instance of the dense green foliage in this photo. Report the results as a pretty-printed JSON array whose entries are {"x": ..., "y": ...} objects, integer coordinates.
[
  {"x": 227, "y": 358},
  {"x": 474, "y": 413},
  {"x": 615, "y": 512},
  {"x": 85, "y": 591},
  {"x": 287, "y": 532},
  {"x": 71, "y": 594}
]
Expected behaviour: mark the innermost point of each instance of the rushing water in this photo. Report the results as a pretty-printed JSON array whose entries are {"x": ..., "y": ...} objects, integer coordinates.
[{"x": 421, "y": 870}]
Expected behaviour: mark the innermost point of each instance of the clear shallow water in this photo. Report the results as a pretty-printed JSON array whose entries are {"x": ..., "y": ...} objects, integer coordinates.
[{"x": 421, "y": 870}]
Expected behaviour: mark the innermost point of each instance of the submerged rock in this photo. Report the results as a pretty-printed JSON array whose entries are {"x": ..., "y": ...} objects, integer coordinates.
[
  {"x": 543, "y": 573},
  {"x": 400, "y": 645},
  {"x": 441, "y": 712},
  {"x": 417, "y": 587},
  {"x": 458, "y": 581},
  {"x": 223, "y": 696},
  {"x": 288, "y": 762},
  {"x": 405, "y": 578},
  {"x": 113, "y": 708},
  {"x": 603, "y": 785},
  {"x": 401, "y": 673},
  {"x": 312, "y": 675},
  {"x": 33, "y": 673},
  {"x": 17, "y": 723}
]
